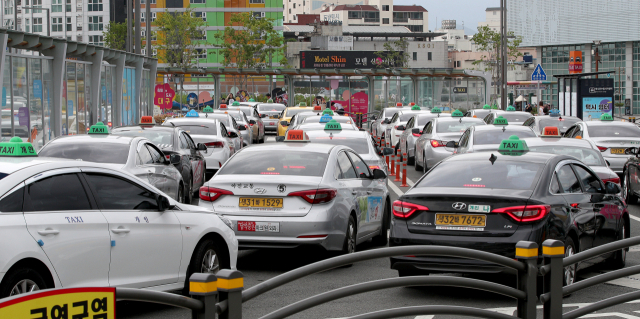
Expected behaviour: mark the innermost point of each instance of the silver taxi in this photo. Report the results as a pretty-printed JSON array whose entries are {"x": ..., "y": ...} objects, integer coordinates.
[{"x": 270, "y": 114}]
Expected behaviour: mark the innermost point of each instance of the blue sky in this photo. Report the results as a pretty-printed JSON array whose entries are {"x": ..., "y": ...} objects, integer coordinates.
[{"x": 469, "y": 11}]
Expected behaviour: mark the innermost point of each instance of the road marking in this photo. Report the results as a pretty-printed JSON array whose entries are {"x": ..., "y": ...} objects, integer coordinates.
[
  {"x": 634, "y": 218},
  {"x": 394, "y": 188}
]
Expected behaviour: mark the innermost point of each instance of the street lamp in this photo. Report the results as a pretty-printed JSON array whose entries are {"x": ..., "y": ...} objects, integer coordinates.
[
  {"x": 596, "y": 52},
  {"x": 48, "y": 19}
]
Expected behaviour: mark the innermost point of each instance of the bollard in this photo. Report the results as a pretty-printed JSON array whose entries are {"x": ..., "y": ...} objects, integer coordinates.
[
  {"x": 527, "y": 253},
  {"x": 393, "y": 165},
  {"x": 404, "y": 171},
  {"x": 204, "y": 287},
  {"x": 398, "y": 168},
  {"x": 553, "y": 253},
  {"x": 230, "y": 285},
  {"x": 387, "y": 158}
]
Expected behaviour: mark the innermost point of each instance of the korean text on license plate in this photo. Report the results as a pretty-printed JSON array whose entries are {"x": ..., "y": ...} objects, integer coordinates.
[
  {"x": 618, "y": 150},
  {"x": 461, "y": 220},
  {"x": 259, "y": 226},
  {"x": 260, "y": 202}
]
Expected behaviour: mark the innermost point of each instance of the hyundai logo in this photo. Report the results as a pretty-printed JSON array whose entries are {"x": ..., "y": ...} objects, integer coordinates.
[
  {"x": 259, "y": 190},
  {"x": 459, "y": 205}
]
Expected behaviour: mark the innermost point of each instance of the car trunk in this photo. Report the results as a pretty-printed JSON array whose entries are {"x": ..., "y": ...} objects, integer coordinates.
[
  {"x": 617, "y": 146},
  {"x": 443, "y": 219},
  {"x": 210, "y": 142},
  {"x": 263, "y": 195},
  {"x": 450, "y": 137}
]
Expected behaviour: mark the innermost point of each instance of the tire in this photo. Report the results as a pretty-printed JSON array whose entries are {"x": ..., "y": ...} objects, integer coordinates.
[
  {"x": 425, "y": 169},
  {"x": 188, "y": 198},
  {"x": 262, "y": 139},
  {"x": 383, "y": 239},
  {"x": 417, "y": 166},
  {"x": 629, "y": 196},
  {"x": 215, "y": 263},
  {"x": 619, "y": 259},
  {"x": 411, "y": 160},
  {"x": 569, "y": 276},
  {"x": 349, "y": 245},
  {"x": 17, "y": 280}
]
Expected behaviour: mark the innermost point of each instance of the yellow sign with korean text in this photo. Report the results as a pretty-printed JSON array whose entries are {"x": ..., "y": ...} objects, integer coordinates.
[{"x": 67, "y": 303}]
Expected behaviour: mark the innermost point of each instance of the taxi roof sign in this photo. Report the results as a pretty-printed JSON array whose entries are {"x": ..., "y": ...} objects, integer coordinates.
[
  {"x": 457, "y": 113},
  {"x": 302, "y": 104},
  {"x": 235, "y": 103},
  {"x": 270, "y": 101},
  {"x": 333, "y": 125},
  {"x": 486, "y": 107},
  {"x": 412, "y": 104},
  {"x": 513, "y": 146},
  {"x": 297, "y": 136},
  {"x": 510, "y": 108},
  {"x": 550, "y": 131},
  {"x": 317, "y": 108},
  {"x": 223, "y": 106},
  {"x": 98, "y": 128},
  {"x": 251, "y": 100},
  {"x": 207, "y": 109},
  {"x": 415, "y": 108},
  {"x": 606, "y": 117},
  {"x": 327, "y": 111},
  {"x": 147, "y": 120},
  {"x": 398, "y": 104},
  {"x": 500, "y": 121},
  {"x": 192, "y": 113},
  {"x": 326, "y": 118},
  {"x": 554, "y": 113},
  {"x": 436, "y": 110},
  {"x": 17, "y": 148}
]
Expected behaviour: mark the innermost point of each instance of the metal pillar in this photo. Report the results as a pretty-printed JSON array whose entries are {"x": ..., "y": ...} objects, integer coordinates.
[
  {"x": 139, "y": 62},
  {"x": 116, "y": 95},
  {"x": 153, "y": 77},
  {"x": 372, "y": 94},
  {"x": 137, "y": 45},
  {"x": 415, "y": 89},
  {"x": 216, "y": 90},
  {"x": 3, "y": 54},
  {"x": 59, "y": 53},
  {"x": 96, "y": 67}
]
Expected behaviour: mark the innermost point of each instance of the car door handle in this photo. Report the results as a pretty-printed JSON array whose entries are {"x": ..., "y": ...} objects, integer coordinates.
[
  {"x": 48, "y": 232},
  {"x": 120, "y": 230}
]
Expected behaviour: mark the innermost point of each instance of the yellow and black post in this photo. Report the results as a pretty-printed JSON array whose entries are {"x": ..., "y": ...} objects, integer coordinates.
[
  {"x": 230, "y": 285},
  {"x": 205, "y": 288},
  {"x": 553, "y": 253},
  {"x": 527, "y": 254}
]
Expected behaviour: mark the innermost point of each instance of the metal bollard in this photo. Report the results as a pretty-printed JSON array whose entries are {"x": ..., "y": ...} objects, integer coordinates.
[
  {"x": 404, "y": 171},
  {"x": 527, "y": 253},
  {"x": 204, "y": 287},
  {"x": 553, "y": 253},
  {"x": 230, "y": 285}
]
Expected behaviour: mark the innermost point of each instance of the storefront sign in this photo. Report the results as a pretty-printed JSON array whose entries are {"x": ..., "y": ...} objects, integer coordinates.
[
  {"x": 597, "y": 98},
  {"x": 164, "y": 95},
  {"x": 460, "y": 90},
  {"x": 340, "y": 59},
  {"x": 575, "y": 62},
  {"x": 62, "y": 303}
]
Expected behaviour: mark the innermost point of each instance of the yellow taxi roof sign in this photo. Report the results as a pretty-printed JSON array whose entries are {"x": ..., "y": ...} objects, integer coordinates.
[
  {"x": 550, "y": 131},
  {"x": 17, "y": 148},
  {"x": 297, "y": 136}
]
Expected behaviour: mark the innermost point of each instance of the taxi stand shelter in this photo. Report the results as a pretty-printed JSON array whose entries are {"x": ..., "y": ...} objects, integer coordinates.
[{"x": 576, "y": 91}]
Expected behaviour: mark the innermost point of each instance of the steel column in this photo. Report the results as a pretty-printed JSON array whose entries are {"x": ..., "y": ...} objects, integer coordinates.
[
  {"x": 139, "y": 62},
  {"x": 553, "y": 252},
  {"x": 96, "y": 67},
  {"x": 116, "y": 95}
]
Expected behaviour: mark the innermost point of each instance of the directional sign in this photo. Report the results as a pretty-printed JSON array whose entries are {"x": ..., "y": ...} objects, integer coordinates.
[{"x": 538, "y": 74}]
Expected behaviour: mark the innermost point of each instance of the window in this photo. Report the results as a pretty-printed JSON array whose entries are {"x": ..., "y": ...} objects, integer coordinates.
[
  {"x": 201, "y": 15},
  {"x": 346, "y": 167},
  {"x": 295, "y": 18},
  {"x": 183, "y": 142},
  {"x": 56, "y": 24},
  {"x": 401, "y": 17},
  {"x": 96, "y": 39},
  {"x": 289, "y": 11},
  {"x": 68, "y": 6},
  {"x": 142, "y": 20},
  {"x": 69, "y": 27},
  {"x": 260, "y": 15},
  {"x": 111, "y": 153},
  {"x": 201, "y": 53},
  {"x": 414, "y": 28},
  {"x": 385, "y": 20},
  {"x": 256, "y": 1},
  {"x": 294, "y": 5},
  {"x": 416, "y": 16},
  {"x": 114, "y": 193},
  {"x": 56, "y": 193},
  {"x": 153, "y": 16},
  {"x": 95, "y": 23},
  {"x": 56, "y": 6},
  {"x": 290, "y": 163},
  {"x": 155, "y": 52},
  {"x": 27, "y": 25},
  {"x": 95, "y": 5},
  {"x": 361, "y": 167},
  {"x": 590, "y": 183},
  {"x": 196, "y": 1},
  {"x": 415, "y": 56},
  {"x": 554, "y": 188},
  {"x": 429, "y": 56},
  {"x": 12, "y": 203},
  {"x": 568, "y": 181},
  {"x": 157, "y": 156},
  {"x": 385, "y": 8},
  {"x": 144, "y": 157}
]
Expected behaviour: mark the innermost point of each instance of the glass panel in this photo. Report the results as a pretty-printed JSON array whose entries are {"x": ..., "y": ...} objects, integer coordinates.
[
  {"x": 47, "y": 89},
  {"x": 83, "y": 118},
  {"x": 5, "y": 120},
  {"x": 71, "y": 125},
  {"x": 20, "y": 107},
  {"x": 87, "y": 94},
  {"x": 35, "y": 117}
]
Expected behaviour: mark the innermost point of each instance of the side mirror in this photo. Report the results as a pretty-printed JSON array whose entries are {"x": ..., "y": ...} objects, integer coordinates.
[
  {"x": 202, "y": 147},
  {"x": 233, "y": 134},
  {"x": 378, "y": 150},
  {"x": 400, "y": 128},
  {"x": 373, "y": 117},
  {"x": 386, "y": 121},
  {"x": 379, "y": 174},
  {"x": 263, "y": 115},
  {"x": 279, "y": 138},
  {"x": 452, "y": 144},
  {"x": 252, "y": 122},
  {"x": 241, "y": 128},
  {"x": 416, "y": 131},
  {"x": 388, "y": 151},
  {"x": 162, "y": 202},
  {"x": 174, "y": 159},
  {"x": 284, "y": 123},
  {"x": 612, "y": 188}
]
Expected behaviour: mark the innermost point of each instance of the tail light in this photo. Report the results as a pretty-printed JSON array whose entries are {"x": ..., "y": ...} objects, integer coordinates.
[
  {"x": 417, "y": 134},
  {"x": 524, "y": 214},
  {"x": 602, "y": 148},
  {"x": 210, "y": 194},
  {"x": 316, "y": 196},
  {"x": 168, "y": 157},
  {"x": 404, "y": 210},
  {"x": 613, "y": 180},
  {"x": 372, "y": 167},
  {"x": 436, "y": 143},
  {"x": 247, "y": 127},
  {"x": 215, "y": 144}
]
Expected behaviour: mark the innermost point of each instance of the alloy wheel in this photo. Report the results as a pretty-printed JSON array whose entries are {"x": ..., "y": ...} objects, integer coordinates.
[
  {"x": 24, "y": 286},
  {"x": 351, "y": 241},
  {"x": 569, "y": 271},
  {"x": 210, "y": 262}
]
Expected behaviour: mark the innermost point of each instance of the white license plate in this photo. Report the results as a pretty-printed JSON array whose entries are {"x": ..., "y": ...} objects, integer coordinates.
[
  {"x": 259, "y": 226},
  {"x": 479, "y": 208}
]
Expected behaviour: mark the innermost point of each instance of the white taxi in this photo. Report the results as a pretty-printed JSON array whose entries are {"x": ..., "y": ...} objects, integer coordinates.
[{"x": 66, "y": 223}]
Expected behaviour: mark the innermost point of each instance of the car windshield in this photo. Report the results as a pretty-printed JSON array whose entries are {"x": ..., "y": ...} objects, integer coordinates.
[
  {"x": 292, "y": 112},
  {"x": 481, "y": 113},
  {"x": 504, "y": 174},
  {"x": 161, "y": 138},
  {"x": 496, "y": 136},
  {"x": 271, "y": 108},
  {"x": 199, "y": 128},
  {"x": 515, "y": 117},
  {"x": 112, "y": 153},
  {"x": 3, "y": 175},
  {"x": 588, "y": 156},
  {"x": 454, "y": 126},
  {"x": 613, "y": 131},
  {"x": 360, "y": 145},
  {"x": 276, "y": 163},
  {"x": 562, "y": 124},
  {"x": 389, "y": 113}
]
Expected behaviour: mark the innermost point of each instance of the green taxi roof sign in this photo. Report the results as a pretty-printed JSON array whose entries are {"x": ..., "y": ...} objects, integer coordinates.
[
  {"x": 510, "y": 108},
  {"x": 270, "y": 101},
  {"x": 606, "y": 117},
  {"x": 486, "y": 107},
  {"x": 235, "y": 103},
  {"x": 500, "y": 121},
  {"x": 436, "y": 110},
  {"x": 207, "y": 109},
  {"x": 327, "y": 111},
  {"x": 17, "y": 148},
  {"x": 415, "y": 108},
  {"x": 333, "y": 125},
  {"x": 513, "y": 146},
  {"x": 457, "y": 113},
  {"x": 302, "y": 104},
  {"x": 98, "y": 128},
  {"x": 251, "y": 100}
]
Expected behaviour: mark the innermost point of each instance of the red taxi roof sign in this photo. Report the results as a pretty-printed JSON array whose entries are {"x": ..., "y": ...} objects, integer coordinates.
[
  {"x": 147, "y": 120},
  {"x": 398, "y": 104},
  {"x": 317, "y": 108},
  {"x": 412, "y": 104},
  {"x": 223, "y": 106},
  {"x": 297, "y": 136},
  {"x": 550, "y": 131}
]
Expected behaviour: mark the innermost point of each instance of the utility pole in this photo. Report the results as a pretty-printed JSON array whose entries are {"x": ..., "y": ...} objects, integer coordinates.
[
  {"x": 503, "y": 53},
  {"x": 597, "y": 54},
  {"x": 147, "y": 21},
  {"x": 137, "y": 44}
]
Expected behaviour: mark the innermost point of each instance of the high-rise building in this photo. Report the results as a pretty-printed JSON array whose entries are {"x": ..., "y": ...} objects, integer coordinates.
[
  {"x": 378, "y": 13},
  {"x": 449, "y": 24},
  {"x": 492, "y": 19}
]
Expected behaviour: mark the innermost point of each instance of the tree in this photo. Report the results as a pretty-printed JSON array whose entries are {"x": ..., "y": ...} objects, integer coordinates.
[
  {"x": 115, "y": 35},
  {"x": 394, "y": 55},
  {"x": 254, "y": 45}
]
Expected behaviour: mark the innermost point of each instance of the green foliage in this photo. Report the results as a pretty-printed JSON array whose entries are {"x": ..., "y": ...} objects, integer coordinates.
[
  {"x": 177, "y": 37},
  {"x": 488, "y": 41},
  {"x": 115, "y": 35},
  {"x": 395, "y": 54}
]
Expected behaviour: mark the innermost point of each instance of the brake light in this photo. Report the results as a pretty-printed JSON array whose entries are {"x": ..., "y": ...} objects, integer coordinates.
[
  {"x": 404, "y": 210},
  {"x": 417, "y": 134},
  {"x": 613, "y": 180},
  {"x": 436, "y": 143},
  {"x": 525, "y": 214},
  {"x": 602, "y": 148},
  {"x": 215, "y": 144},
  {"x": 247, "y": 127},
  {"x": 211, "y": 194},
  {"x": 316, "y": 196}
]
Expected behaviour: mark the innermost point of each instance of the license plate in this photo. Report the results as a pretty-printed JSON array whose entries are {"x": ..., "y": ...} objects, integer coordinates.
[
  {"x": 618, "y": 150},
  {"x": 260, "y": 202},
  {"x": 272, "y": 123},
  {"x": 259, "y": 226},
  {"x": 461, "y": 220},
  {"x": 274, "y": 116}
]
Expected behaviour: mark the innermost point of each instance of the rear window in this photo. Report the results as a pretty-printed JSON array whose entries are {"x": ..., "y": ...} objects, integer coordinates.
[
  {"x": 290, "y": 112},
  {"x": 159, "y": 137},
  {"x": 389, "y": 113},
  {"x": 112, "y": 153},
  {"x": 481, "y": 114},
  {"x": 483, "y": 174},
  {"x": 237, "y": 116},
  {"x": 357, "y": 144},
  {"x": 199, "y": 129},
  {"x": 562, "y": 125},
  {"x": 270, "y": 108},
  {"x": 517, "y": 117},
  {"x": 276, "y": 163},
  {"x": 454, "y": 126},
  {"x": 316, "y": 119},
  {"x": 406, "y": 116},
  {"x": 614, "y": 131},
  {"x": 496, "y": 136},
  {"x": 247, "y": 111},
  {"x": 3, "y": 175},
  {"x": 588, "y": 156}
]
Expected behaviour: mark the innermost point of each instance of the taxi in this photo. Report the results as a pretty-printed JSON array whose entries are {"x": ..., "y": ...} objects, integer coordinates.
[
  {"x": 270, "y": 114},
  {"x": 286, "y": 116},
  {"x": 488, "y": 137},
  {"x": 397, "y": 123},
  {"x": 480, "y": 113},
  {"x": 299, "y": 193},
  {"x": 135, "y": 155},
  {"x": 563, "y": 123},
  {"x": 618, "y": 141},
  {"x": 250, "y": 103},
  {"x": 413, "y": 129},
  {"x": 379, "y": 122},
  {"x": 255, "y": 121},
  {"x": 514, "y": 117},
  {"x": 299, "y": 117},
  {"x": 491, "y": 201},
  {"x": 174, "y": 140},
  {"x": 68, "y": 223},
  {"x": 225, "y": 118},
  {"x": 242, "y": 124}
]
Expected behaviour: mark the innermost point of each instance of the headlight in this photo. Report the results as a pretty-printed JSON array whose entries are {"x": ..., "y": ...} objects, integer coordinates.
[{"x": 226, "y": 221}]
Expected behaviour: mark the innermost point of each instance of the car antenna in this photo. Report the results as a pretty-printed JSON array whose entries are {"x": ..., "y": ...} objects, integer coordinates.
[
  {"x": 503, "y": 129},
  {"x": 460, "y": 120},
  {"x": 493, "y": 158}
]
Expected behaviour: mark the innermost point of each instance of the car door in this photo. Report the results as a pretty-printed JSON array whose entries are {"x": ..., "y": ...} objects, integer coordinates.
[
  {"x": 581, "y": 210},
  {"x": 631, "y": 179},
  {"x": 143, "y": 169},
  {"x": 373, "y": 210},
  {"x": 463, "y": 142},
  {"x": 166, "y": 174},
  {"x": 197, "y": 162},
  {"x": 185, "y": 149},
  {"x": 403, "y": 136},
  {"x": 352, "y": 188},
  {"x": 147, "y": 243},
  {"x": 63, "y": 218},
  {"x": 237, "y": 140}
]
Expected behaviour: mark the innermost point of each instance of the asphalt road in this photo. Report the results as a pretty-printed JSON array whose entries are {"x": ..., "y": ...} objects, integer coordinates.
[{"x": 260, "y": 265}]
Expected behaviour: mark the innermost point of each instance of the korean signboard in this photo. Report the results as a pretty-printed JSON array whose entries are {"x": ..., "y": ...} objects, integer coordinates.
[
  {"x": 597, "y": 98},
  {"x": 96, "y": 303},
  {"x": 339, "y": 59},
  {"x": 343, "y": 42}
]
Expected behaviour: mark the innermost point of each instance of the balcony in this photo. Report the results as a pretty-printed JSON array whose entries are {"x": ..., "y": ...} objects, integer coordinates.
[
  {"x": 401, "y": 20},
  {"x": 369, "y": 20}
]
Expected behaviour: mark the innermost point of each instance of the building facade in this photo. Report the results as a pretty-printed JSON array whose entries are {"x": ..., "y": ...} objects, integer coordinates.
[{"x": 378, "y": 13}]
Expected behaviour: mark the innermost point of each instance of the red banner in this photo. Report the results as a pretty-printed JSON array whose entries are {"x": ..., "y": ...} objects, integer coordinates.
[{"x": 164, "y": 95}]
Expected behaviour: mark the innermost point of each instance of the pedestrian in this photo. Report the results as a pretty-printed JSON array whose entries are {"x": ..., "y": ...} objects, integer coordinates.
[
  {"x": 529, "y": 108},
  {"x": 268, "y": 96},
  {"x": 339, "y": 108},
  {"x": 546, "y": 109},
  {"x": 230, "y": 99}
]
